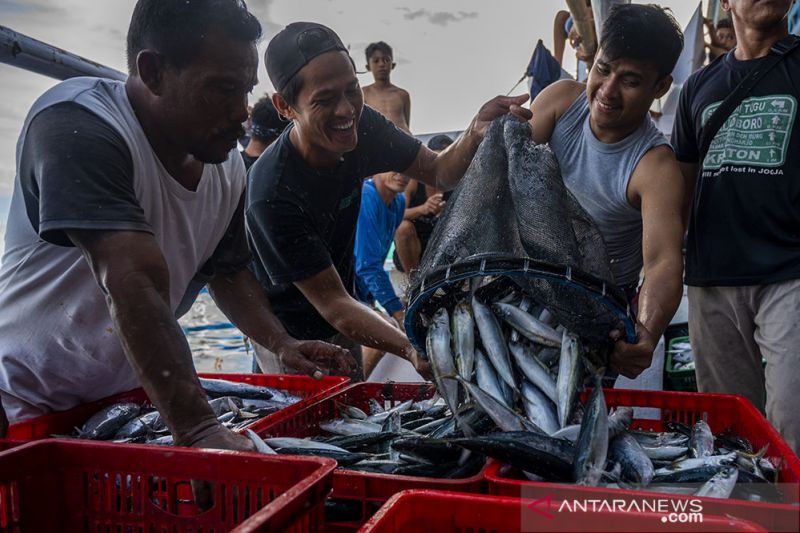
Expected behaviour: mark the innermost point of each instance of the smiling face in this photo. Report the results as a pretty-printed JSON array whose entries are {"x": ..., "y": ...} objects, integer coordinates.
[
  {"x": 327, "y": 109},
  {"x": 202, "y": 106},
  {"x": 380, "y": 64},
  {"x": 620, "y": 93}
]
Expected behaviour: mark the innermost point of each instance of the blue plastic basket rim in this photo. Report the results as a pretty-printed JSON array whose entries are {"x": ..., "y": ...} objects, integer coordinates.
[{"x": 528, "y": 268}]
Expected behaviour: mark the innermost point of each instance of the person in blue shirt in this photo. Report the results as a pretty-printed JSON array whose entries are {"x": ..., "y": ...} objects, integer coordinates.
[{"x": 381, "y": 212}]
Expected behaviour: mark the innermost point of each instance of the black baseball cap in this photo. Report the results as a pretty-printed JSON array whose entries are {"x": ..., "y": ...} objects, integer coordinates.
[{"x": 294, "y": 46}]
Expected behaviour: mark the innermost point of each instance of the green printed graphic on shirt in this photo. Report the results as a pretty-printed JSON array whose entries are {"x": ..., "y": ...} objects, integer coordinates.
[{"x": 756, "y": 134}]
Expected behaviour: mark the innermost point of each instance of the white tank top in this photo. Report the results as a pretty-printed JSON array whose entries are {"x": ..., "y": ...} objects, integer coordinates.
[{"x": 58, "y": 347}]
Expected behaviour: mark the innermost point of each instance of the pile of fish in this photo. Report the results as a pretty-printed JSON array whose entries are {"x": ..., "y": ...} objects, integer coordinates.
[
  {"x": 236, "y": 405},
  {"x": 509, "y": 383},
  {"x": 526, "y": 373},
  {"x": 682, "y": 356},
  {"x": 408, "y": 439}
]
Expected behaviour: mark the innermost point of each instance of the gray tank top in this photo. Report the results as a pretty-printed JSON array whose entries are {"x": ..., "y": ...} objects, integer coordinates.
[{"x": 598, "y": 174}]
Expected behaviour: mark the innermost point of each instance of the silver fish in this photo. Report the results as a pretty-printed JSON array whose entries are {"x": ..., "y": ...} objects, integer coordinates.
[
  {"x": 277, "y": 443},
  {"x": 258, "y": 442},
  {"x": 653, "y": 439},
  {"x": 569, "y": 375},
  {"x": 105, "y": 423},
  {"x": 399, "y": 408},
  {"x": 134, "y": 429},
  {"x": 547, "y": 318},
  {"x": 591, "y": 450},
  {"x": 721, "y": 485},
  {"x": 548, "y": 355},
  {"x": 223, "y": 404},
  {"x": 154, "y": 421},
  {"x": 692, "y": 463},
  {"x": 701, "y": 441},
  {"x": 619, "y": 421},
  {"x": 487, "y": 379},
  {"x": 351, "y": 412},
  {"x": 463, "y": 331},
  {"x": 222, "y": 387},
  {"x": 665, "y": 453},
  {"x": 539, "y": 408},
  {"x": 536, "y": 372},
  {"x": 636, "y": 467},
  {"x": 166, "y": 440},
  {"x": 375, "y": 407},
  {"x": 569, "y": 433},
  {"x": 493, "y": 341},
  {"x": 505, "y": 418},
  {"x": 441, "y": 358},
  {"x": 528, "y": 325},
  {"x": 344, "y": 426}
]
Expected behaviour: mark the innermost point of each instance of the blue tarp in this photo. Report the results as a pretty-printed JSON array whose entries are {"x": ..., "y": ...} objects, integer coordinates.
[{"x": 543, "y": 69}]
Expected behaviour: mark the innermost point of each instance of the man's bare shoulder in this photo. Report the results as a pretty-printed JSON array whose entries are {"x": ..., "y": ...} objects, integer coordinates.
[
  {"x": 550, "y": 105},
  {"x": 658, "y": 156},
  {"x": 561, "y": 94}
]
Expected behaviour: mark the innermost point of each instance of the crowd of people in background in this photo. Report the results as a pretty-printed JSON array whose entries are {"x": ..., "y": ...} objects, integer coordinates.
[{"x": 291, "y": 236}]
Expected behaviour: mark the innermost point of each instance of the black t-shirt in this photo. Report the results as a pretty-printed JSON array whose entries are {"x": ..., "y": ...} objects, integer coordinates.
[
  {"x": 76, "y": 172},
  {"x": 745, "y": 223},
  {"x": 300, "y": 220}
]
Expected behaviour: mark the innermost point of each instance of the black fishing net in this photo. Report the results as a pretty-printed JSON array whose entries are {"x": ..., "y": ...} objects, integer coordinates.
[{"x": 512, "y": 219}]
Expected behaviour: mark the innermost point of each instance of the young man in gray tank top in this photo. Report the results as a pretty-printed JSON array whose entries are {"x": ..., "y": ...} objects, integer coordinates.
[{"x": 621, "y": 168}]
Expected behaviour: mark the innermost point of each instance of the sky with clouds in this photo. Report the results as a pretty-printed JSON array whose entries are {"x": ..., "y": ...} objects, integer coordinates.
[{"x": 452, "y": 55}]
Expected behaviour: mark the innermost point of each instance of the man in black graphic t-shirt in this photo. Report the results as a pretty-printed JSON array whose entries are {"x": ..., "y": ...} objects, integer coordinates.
[
  {"x": 743, "y": 253},
  {"x": 304, "y": 192}
]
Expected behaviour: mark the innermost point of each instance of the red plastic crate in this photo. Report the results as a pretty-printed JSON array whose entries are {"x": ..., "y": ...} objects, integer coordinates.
[
  {"x": 722, "y": 411},
  {"x": 59, "y": 485},
  {"x": 423, "y": 511},
  {"x": 369, "y": 490},
  {"x": 8, "y": 444},
  {"x": 64, "y": 422}
]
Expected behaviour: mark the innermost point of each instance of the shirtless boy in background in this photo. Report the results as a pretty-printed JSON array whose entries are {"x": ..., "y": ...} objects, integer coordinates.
[{"x": 392, "y": 101}]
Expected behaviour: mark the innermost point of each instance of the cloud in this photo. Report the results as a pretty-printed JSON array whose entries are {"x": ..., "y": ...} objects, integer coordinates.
[
  {"x": 440, "y": 18},
  {"x": 23, "y": 7}
]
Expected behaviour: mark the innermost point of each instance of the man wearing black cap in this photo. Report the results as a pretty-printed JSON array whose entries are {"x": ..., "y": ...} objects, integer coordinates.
[{"x": 305, "y": 190}]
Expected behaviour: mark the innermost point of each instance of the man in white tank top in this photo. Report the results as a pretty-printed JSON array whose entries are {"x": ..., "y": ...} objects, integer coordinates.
[
  {"x": 621, "y": 169},
  {"x": 128, "y": 199}
]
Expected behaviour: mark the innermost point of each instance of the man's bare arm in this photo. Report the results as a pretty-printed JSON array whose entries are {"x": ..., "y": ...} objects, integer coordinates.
[
  {"x": 354, "y": 320},
  {"x": 549, "y": 105},
  {"x": 658, "y": 185},
  {"x": 242, "y": 299},
  {"x": 443, "y": 170},
  {"x": 132, "y": 272}
]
